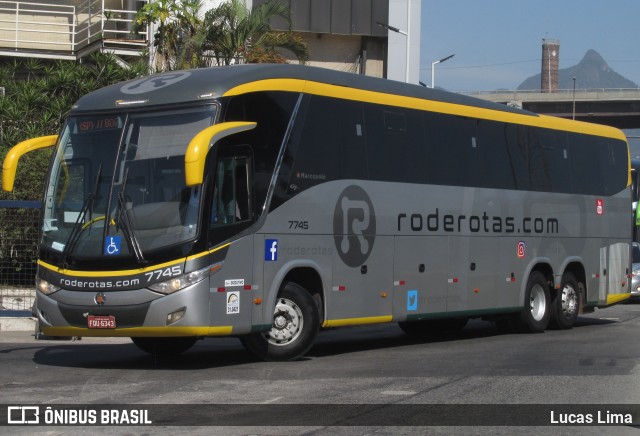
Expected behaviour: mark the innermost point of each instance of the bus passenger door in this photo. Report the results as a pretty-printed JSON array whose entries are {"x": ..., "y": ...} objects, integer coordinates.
[{"x": 232, "y": 211}]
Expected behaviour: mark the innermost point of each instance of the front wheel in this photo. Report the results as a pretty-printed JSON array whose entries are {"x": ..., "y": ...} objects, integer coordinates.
[
  {"x": 534, "y": 318},
  {"x": 566, "y": 303},
  {"x": 295, "y": 324}
]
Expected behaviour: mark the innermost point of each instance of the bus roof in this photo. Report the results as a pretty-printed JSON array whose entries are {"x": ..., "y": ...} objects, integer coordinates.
[{"x": 207, "y": 84}]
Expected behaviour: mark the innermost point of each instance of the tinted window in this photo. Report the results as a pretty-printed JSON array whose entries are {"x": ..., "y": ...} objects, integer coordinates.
[
  {"x": 340, "y": 139},
  {"x": 395, "y": 145},
  {"x": 452, "y": 149},
  {"x": 494, "y": 157},
  {"x": 327, "y": 143},
  {"x": 272, "y": 111},
  {"x": 556, "y": 157}
]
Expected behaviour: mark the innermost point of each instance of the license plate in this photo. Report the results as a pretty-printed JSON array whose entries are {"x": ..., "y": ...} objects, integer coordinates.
[{"x": 101, "y": 322}]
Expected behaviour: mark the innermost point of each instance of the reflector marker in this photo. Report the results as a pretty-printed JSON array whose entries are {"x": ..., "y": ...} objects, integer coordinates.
[
  {"x": 399, "y": 283},
  {"x": 453, "y": 280},
  {"x": 245, "y": 287},
  {"x": 339, "y": 288}
]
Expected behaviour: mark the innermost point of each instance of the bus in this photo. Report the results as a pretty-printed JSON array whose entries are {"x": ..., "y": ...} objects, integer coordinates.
[
  {"x": 635, "y": 166},
  {"x": 269, "y": 202}
]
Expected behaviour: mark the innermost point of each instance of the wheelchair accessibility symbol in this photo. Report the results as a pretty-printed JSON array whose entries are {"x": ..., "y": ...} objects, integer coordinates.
[{"x": 112, "y": 245}]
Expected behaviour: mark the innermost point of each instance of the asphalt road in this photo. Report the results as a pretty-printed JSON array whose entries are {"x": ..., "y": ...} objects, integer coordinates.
[{"x": 377, "y": 368}]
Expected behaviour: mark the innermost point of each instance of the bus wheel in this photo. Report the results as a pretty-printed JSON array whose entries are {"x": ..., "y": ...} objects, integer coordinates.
[
  {"x": 295, "y": 324},
  {"x": 535, "y": 315},
  {"x": 566, "y": 303},
  {"x": 165, "y": 346}
]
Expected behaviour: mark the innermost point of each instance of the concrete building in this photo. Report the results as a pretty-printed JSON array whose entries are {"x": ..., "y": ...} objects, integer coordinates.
[
  {"x": 69, "y": 29},
  {"x": 374, "y": 37},
  {"x": 357, "y": 35}
]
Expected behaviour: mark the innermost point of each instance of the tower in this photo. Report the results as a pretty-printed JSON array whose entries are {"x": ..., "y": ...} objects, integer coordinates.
[{"x": 550, "y": 62}]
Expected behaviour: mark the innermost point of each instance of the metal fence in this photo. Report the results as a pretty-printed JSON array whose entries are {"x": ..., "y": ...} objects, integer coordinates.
[
  {"x": 19, "y": 233},
  {"x": 67, "y": 29}
]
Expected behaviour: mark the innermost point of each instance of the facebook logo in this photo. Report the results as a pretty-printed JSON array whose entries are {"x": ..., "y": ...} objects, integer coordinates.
[{"x": 271, "y": 250}]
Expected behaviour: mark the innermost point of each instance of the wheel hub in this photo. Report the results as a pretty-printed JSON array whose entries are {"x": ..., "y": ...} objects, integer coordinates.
[
  {"x": 569, "y": 301},
  {"x": 537, "y": 303},
  {"x": 287, "y": 323}
]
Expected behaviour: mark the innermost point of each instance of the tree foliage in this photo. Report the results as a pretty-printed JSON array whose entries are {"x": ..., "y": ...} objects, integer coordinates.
[
  {"x": 37, "y": 98},
  {"x": 228, "y": 34}
]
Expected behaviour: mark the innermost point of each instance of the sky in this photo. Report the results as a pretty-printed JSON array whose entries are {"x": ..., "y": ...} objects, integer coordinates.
[{"x": 498, "y": 43}]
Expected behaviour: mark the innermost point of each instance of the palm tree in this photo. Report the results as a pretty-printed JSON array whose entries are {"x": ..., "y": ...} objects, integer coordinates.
[
  {"x": 234, "y": 34},
  {"x": 164, "y": 14},
  {"x": 229, "y": 33}
]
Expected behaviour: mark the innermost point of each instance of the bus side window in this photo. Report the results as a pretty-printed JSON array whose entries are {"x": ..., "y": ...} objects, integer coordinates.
[{"x": 232, "y": 194}]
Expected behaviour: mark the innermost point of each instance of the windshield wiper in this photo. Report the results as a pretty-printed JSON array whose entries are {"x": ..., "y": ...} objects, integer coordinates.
[
  {"x": 126, "y": 226},
  {"x": 87, "y": 206}
]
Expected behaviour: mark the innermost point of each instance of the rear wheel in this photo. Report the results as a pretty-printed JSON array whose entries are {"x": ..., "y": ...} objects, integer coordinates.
[
  {"x": 566, "y": 303},
  {"x": 295, "y": 325},
  {"x": 534, "y": 318},
  {"x": 165, "y": 346}
]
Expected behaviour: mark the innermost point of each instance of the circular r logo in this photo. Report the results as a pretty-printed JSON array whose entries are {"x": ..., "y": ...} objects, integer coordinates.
[
  {"x": 153, "y": 83},
  {"x": 354, "y": 226}
]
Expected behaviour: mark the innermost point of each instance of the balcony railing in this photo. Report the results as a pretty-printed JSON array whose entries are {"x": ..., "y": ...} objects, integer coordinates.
[{"x": 69, "y": 29}]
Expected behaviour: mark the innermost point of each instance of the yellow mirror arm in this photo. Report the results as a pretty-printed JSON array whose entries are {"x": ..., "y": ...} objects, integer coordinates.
[
  {"x": 10, "y": 164},
  {"x": 199, "y": 146}
]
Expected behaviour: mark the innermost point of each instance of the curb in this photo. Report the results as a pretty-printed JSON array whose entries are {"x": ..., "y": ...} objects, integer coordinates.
[{"x": 17, "y": 324}]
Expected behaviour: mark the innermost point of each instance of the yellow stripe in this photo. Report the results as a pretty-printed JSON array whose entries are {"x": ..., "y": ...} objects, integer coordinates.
[
  {"x": 617, "y": 298},
  {"x": 129, "y": 271},
  {"x": 357, "y": 321},
  {"x": 142, "y": 332},
  {"x": 345, "y": 93},
  {"x": 205, "y": 253}
]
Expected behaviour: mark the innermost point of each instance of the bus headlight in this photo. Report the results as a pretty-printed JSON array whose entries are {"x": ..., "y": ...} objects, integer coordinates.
[
  {"x": 177, "y": 283},
  {"x": 45, "y": 287}
]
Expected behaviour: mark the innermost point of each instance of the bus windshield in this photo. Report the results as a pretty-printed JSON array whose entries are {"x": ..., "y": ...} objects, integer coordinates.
[{"x": 117, "y": 185}]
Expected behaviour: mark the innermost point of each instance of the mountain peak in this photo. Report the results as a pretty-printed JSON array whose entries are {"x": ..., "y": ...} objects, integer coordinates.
[
  {"x": 593, "y": 56},
  {"x": 591, "y": 72}
]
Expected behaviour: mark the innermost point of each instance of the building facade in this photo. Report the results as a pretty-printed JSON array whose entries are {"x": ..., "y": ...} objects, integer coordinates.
[
  {"x": 69, "y": 29},
  {"x": 375, "y": 37}
]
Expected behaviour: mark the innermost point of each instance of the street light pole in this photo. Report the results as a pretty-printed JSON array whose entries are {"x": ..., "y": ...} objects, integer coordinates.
[
  {"x": 433, "y": 69},
  {"x": 574, "y": 98},
  {"x": 401, "y": 32}
]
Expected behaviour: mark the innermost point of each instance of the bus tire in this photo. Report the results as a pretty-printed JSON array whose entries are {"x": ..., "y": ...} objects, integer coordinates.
[
  {"x": 535, "y": 315},
  {"x": 566, "y": 303},
  {"x": 295, "y": 325},
  {"x": 165, "y": 346}
]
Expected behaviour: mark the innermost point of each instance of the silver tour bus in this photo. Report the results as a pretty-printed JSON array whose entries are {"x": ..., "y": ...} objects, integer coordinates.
[{"x": 271, "y": 201}]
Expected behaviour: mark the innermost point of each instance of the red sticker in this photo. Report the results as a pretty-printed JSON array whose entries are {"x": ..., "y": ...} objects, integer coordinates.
[
  {"x": 521, "y": 249},
  {"x": 599, "y": 206}
]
